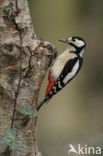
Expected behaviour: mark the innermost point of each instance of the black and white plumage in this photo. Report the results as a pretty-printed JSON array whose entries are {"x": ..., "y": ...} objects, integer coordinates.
[{"x": 65, "y": 67}]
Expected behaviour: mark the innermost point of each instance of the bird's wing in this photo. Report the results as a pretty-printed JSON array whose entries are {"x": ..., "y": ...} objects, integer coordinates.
[{"x": 69, "y": 66}]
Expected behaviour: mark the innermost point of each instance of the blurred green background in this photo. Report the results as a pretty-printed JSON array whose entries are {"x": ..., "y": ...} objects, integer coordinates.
[{"x": 74, "y": 115}]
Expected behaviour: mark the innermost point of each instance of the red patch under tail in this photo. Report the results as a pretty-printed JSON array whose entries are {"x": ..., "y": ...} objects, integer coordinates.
[{"x": 50, "y": 84}]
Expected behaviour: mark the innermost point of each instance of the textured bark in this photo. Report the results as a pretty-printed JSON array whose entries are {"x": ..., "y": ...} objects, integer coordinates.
[{"x": 23, "y": 63}]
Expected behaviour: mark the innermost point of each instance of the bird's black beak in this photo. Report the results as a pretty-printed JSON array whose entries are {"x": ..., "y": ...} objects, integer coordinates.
[{"x": 64, "y": 40}]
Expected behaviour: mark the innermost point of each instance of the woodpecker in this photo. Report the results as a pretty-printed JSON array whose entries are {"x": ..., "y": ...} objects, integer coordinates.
[{"x": 65, "y": 67}]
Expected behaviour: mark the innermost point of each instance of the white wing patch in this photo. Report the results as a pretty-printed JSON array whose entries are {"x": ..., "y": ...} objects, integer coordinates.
[
  {"x": 54, "y": 88},
  {"x": 72, "y": 73},
  {"x": 59, "y": 85}
]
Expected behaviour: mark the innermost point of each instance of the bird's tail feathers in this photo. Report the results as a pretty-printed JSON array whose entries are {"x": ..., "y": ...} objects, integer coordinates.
[{"x": 45, "y": 100}]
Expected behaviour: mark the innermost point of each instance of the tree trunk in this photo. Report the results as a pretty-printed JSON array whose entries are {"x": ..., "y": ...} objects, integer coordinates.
[{"x": 23, "y": 63}]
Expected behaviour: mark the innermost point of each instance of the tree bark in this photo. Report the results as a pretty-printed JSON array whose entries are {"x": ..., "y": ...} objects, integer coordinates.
[{"x": 23, "y": 63}]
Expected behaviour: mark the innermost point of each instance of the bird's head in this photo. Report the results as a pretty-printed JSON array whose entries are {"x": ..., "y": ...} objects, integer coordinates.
[{"x": 77, "y": 42}]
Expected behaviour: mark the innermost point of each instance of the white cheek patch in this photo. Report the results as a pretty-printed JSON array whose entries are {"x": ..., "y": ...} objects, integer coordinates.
[
  {"x": 72, "y": 73},
  {"x": 79, "y": 43}
]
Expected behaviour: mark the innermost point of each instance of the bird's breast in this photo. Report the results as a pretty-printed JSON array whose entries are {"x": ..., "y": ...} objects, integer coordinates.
[{"x": 60, "y": 62}]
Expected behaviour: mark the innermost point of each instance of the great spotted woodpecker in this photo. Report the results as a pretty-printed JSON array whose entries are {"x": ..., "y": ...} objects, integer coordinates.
[{"x": 65, "y": 67}]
